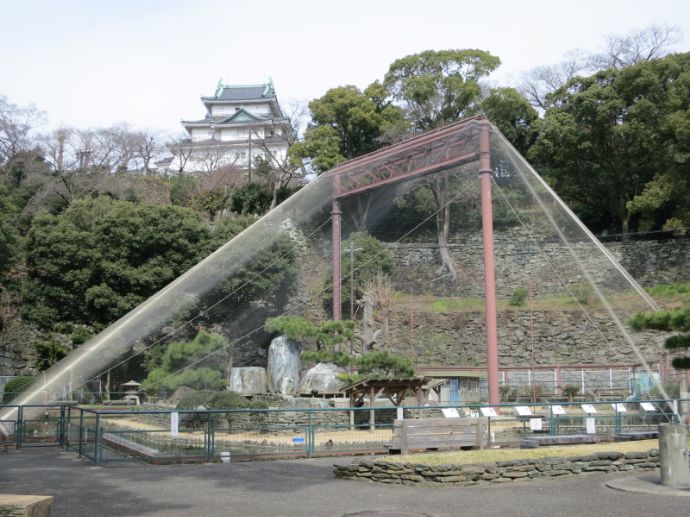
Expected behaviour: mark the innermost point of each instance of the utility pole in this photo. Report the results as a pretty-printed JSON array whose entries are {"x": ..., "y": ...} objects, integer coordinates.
[
  {"x": 249, "y": 176},
  {"x": 352, "y": 280}
]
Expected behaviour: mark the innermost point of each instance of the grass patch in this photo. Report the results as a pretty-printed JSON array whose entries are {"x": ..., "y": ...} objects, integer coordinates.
[
  {"x": 627, "y": 301},
  {"x": 491, "y": 455},
  {"x": 668, "y": 289},
  {"x": 445, "y": 305}
]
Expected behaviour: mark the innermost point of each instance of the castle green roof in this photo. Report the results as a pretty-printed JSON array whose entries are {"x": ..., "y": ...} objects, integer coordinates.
[{"x": 238, "y": 93}]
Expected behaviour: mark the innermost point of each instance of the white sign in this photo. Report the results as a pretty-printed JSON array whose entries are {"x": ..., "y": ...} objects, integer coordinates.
[
  {"x": 174, "y": 423},
  {"x": 557, "y": 410},
  {"x": 590, "y": 424},
  {"x": 620, "y": 408},
  {"x": 648, "y": 406},
  {"x": 488, "y": 411},
  {"x": 450, "y": 412},
  {"x": 523, "y": 410},
  {"x": 535, "y": 424},
  {"x": 588, "y": 408},
  {"x": 401, "y": 413}
]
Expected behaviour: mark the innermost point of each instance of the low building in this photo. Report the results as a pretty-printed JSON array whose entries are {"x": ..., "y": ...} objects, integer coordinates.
[{"x": 454, "y": 385}]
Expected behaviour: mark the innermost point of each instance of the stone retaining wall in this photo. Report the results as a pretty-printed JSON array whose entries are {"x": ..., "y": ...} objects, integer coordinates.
[
  {"x": 499, "y": 471},
  {"x": 546, "y": 266}
]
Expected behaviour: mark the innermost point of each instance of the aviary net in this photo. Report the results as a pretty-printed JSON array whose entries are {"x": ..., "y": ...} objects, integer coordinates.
[{"x": 399, "y": 242}]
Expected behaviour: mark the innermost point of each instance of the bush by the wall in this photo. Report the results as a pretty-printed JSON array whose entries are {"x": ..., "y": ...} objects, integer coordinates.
[{"x": 15, "y": 386}]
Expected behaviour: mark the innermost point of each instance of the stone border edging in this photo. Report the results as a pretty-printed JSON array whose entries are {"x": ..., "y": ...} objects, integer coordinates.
[{"x": 499, "y": 471}]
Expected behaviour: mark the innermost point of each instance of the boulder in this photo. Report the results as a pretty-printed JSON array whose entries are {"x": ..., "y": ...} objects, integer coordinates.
[
  {"x": 322, "y": 379},
  {"x": 284, "y": 365},
  {"x": 179, "y": 394},
  {"x": 248, "y": 380}
]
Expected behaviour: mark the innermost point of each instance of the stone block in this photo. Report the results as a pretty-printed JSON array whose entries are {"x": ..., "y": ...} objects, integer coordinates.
[{"x": 25, "y": 505}]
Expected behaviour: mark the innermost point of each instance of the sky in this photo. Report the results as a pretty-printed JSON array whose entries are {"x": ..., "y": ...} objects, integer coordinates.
[{"x": 146, "y": 62}]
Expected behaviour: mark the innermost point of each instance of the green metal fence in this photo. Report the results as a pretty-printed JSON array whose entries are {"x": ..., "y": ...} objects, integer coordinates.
[
  {"x": 166, "y": 435},
  {"x": 161, "y": 436},
  {"x": 32, "y": 425}
]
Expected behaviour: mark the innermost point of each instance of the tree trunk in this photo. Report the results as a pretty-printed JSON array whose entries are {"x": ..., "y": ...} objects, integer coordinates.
[
  {"x": 625, "y": 227},
  {"x": 274, "y": 199},
  {"x": 359, "y": 213},
  {"x": 439, "y": 188}
]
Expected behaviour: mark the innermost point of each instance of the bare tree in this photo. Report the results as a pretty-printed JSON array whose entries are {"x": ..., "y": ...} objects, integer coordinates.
[
  {"x": 124, "y": 143},
  {"x": 58, "y": 149},
  {"x": 146, "y": 149},
  {"x": 282, "y": 168},
  {"x": 212, "y": 157},
  {"x": 16, "y": 126},
  {"x": 619, "y": 51},
  {"x": 103, "y": 156},
  {"x": 638, "y": 46},
  {"x": 181, "y": 149},
  {"x": 543, "y": 80}
]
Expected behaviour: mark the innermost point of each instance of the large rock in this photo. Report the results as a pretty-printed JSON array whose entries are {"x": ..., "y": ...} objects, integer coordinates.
[
  {"x": 283, "y": 365},
  {"x": 179, "y": 394},
  {"x": 322, "y": 379},
  {"x": 248, "y": 380}
]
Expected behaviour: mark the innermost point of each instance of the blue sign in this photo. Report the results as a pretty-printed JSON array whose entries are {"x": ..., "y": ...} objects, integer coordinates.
[{"x": 298, "y": 440}]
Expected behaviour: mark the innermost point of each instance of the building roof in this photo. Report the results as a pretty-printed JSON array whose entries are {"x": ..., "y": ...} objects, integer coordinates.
[
  {"x": 241, "y": 116},
  {"x": 271, "y": 140},
  {"x": 248, "y": 92}
]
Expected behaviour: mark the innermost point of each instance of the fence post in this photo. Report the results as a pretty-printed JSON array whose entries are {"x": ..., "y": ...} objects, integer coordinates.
[
  {"x": 310, "y": 436},
  {"x": 81, "y": 430},
  {"x": 61, "y": 427},
  {"x": 18, "y": 427},
  {"x": 97, "y": 441},
  {"x": 209, "y": 433},
  {"x": 617, "y": 420}
]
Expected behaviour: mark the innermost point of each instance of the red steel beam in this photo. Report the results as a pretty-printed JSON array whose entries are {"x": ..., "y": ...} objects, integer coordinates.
[
  {"x": 467, "y": 157},
  {"x": 412, "y": 143},
  {"x": 485, "y": 173}
]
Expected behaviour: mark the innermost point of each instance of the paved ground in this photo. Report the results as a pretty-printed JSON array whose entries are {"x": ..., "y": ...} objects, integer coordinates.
[{"x": 298, "y": 488}]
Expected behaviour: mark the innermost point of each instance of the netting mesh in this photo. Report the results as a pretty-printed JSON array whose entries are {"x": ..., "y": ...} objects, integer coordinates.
[{"x": 418, "y": 291}]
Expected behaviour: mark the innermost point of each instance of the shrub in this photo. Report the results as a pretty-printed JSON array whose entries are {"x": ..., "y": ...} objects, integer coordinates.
[
  {"x": 15, "y": 386},
  {"x": 504, "y": 391},
  {"x": 582, "y": 292},
  {"x": 519, "y": 296},
  {"x": 341, "y": 359},
  {"x": 218, "y": 400},
  {"x": 570, "y": 390},
  {"x": 384, "y": 365},
  {"x": 671, "y": 389}
]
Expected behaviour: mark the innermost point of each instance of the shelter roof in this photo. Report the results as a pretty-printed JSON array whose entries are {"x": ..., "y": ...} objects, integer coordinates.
[{"x": 387, "y": 384}]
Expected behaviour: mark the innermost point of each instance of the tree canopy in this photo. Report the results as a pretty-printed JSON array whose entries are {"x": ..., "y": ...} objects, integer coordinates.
[
  {"x": 677, "y": 320},
  {"x": 513, "y": 115},
  {"x": 9, "y": 237},
  {"x": 100, "y": 258},
  {"x": 347, "y": 123},
  {"x": 439, "y": 87},
  {"x": 615, "y": 145}
]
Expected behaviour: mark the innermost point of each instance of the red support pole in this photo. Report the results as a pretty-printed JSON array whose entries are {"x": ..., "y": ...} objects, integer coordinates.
[
  {"x": 489, "y": 276},
  {"x": 336, "y": 214}
]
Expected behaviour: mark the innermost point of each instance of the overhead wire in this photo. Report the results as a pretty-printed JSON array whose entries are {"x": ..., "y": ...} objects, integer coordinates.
[{"x": 361, "y": 265}]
